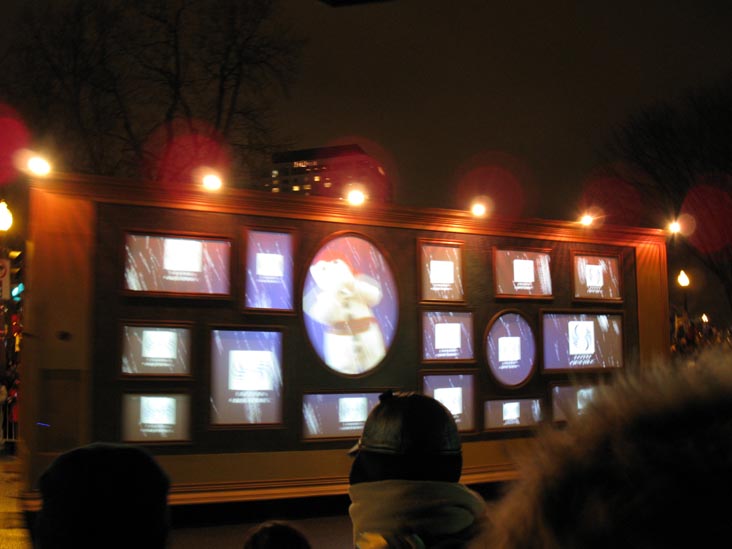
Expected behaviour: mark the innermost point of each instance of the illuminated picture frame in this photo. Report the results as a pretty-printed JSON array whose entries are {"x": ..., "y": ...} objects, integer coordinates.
[
  {"x": 156, "y": 417},
  {"x": 570, "y": 400},
  {"x": 177, "y": 265},
  {"x": 597, "y": 277},
  {"x": 247, "y": 387},
  {"x": 456, "y": 390},
  {"x": 334, "y": 415},
  {"x": 440, "y": 271},
  {"x": 447, "y": 336},
  {"x": 156, "y": 349},
  {"x": 510, "y": 348},
  {"x": 269, "y": 270},
  {"x": 350, "y": 304},
  {"x": 513, "y": 414},
  {"x": 522, "y": 273},
  {"x": 582, "y": 341}
]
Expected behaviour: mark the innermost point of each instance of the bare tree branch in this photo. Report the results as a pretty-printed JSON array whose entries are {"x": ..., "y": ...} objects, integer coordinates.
[
  {"x": 115, "y": 83},
  {"x": 672, "y": 152}
]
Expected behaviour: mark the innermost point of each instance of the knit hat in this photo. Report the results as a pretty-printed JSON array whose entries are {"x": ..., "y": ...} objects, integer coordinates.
[{"x": 407, "y": 424}]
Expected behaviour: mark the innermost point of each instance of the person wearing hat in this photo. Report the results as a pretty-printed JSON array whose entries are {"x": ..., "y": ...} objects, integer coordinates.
[
  {"x": 404, "y": 480},
  {"x": 103, "y": 495}
]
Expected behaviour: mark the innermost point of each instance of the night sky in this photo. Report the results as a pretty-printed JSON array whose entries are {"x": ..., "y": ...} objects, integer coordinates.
[{"x": 518, "y": 95}]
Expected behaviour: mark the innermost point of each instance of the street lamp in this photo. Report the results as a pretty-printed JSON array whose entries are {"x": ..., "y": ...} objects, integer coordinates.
[
  {"x": 683, "y": 280},
  {"x": 6, "y": 217},
  {"x": 6, "y": 221}
]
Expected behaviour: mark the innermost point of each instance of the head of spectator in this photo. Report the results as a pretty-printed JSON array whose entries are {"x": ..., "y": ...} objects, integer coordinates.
[
  {"x": 103, "y": 495},
  {"x": 275, "y": 534},
  {"x": 647, "y": 465},
  {"x": 407, "y": 436},
  {"x": 404, "y": 478}
]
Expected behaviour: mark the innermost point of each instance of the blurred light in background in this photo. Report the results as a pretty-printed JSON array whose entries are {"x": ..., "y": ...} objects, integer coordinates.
[
  {"x": 478, "y": 209},
  {"x": 37, "y": 165},
  {"x": 6, "y": 217},
  {"x": 211, "y": 182},
  {"x": 356, "y": 197},
  {"x": 683, "y": 279}
]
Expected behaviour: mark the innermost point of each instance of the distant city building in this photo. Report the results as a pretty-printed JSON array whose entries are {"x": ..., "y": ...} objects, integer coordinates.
[{"x": 328, "y": 171}]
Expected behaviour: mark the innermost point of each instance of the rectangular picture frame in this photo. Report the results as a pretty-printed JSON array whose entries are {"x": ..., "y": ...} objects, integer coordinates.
[
  {"x": 440, "y": 271},
  {"x": 456, "y": 390},
  {"x": 156, "y": 349},
  {"x": 448, "y": 335},
  {"x": 336, "y": 415},
  {"x": 156, "y": 417},
  {"x": 246, "y": 376},
  {"x": 268, "y": 268},
  {"x": 597, "y": 277},
  {"x": 177, "y": 264},
  {"x": 513, "y": 414},
  {"x": 522, "y": 273},
  {"x": 570, "y": 400},
  {"x": 582, "y": 340}
]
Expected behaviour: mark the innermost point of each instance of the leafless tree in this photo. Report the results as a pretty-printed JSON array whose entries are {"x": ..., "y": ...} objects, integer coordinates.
[
  {"x": 149, "y": 88},
  {"x": 680, "y": 156}
]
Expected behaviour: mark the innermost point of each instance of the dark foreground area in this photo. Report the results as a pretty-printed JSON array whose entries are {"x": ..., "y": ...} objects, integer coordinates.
[{"x": 324, "y": 520}]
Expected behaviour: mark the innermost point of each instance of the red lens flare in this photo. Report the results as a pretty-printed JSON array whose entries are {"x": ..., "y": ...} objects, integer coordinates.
[
  {"x": 14, "y": 136},
  {"x": 620, "y": 201},
  {"x": 194, "y": 144},
  {"x": 711, "y": 206}
]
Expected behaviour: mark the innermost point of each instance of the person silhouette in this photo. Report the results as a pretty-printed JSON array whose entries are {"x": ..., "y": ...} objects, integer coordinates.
[
  {"x": 276, "y": 534},
  {"x": 405, "y": 489},
  {"x": 103, "y": 495}
]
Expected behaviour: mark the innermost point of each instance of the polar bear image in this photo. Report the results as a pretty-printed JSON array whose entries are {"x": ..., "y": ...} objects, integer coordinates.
[{"x": 342, "y": 302}]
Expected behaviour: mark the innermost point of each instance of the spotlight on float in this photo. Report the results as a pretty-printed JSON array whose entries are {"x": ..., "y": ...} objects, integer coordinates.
[
  {"x": 674, "y": 227},
  {"x": 587, "y": 220},
  {"x": 355, "y": 197},
  {"x": 6, "y": 217},
  {"x": 481, "y": 206},
  {"x": 31, "y": 163},
  {"x": 478, "y": 209},
  {"x": 211, "y": 182},
  {"x": 208, "y": 177},
  {"x": 37, "y": 165}
]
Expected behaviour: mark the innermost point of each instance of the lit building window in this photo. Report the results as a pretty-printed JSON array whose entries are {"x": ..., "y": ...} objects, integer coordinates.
[
  {"x": 275, "y": 189},
  {"x": 307, "y": 186},
  {"x": 327, "y": 184},
  {"x": 295, "y": 188},
  {"x": 316, "y": 178},
  {"x": 275, "y": 173}
]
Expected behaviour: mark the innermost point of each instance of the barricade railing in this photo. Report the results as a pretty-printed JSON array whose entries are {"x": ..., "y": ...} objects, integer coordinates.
[{"x": 8, "y": 428}]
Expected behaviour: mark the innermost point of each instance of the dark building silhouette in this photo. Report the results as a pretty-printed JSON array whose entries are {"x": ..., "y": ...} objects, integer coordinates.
[{"x": 328, "y": 171}]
